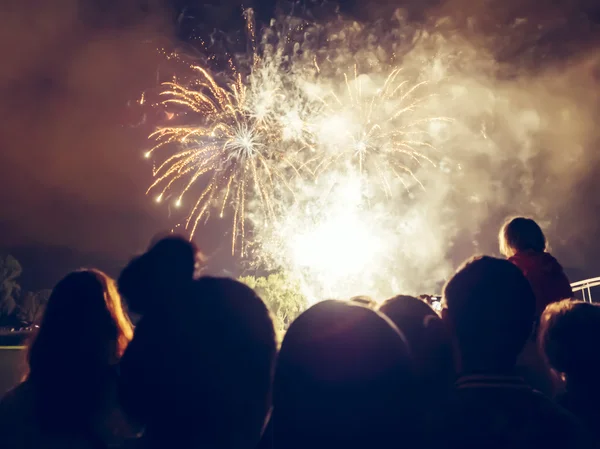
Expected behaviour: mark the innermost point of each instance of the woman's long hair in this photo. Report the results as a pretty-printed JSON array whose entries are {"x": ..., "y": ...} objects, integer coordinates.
[{"x": 82, "y": 335}]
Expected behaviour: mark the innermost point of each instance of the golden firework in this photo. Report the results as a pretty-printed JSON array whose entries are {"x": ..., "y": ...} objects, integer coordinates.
[
  {"x": 379, "y": 129},
  {"x": 233, "y": 152}
]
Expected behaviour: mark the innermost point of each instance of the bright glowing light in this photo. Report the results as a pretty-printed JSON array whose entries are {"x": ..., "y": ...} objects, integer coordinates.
[
  {"x": 340, "y": 242},
  {"x": 315, "y": 157},
  {"x": 335, "y": 245},
  {"x": 341, "y": 245},
  {"x": 437, "y": 306}
]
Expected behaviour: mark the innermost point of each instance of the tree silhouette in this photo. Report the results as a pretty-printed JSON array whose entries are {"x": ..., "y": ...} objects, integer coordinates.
[
  {"x": 281, "y": 294},
  {"x": 32, "y": 305},
  {"x": 10, "y": 270}
]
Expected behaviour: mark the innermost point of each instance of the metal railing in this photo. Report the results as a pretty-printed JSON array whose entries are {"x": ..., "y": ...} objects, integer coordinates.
[{"x": 585, "y": 287}]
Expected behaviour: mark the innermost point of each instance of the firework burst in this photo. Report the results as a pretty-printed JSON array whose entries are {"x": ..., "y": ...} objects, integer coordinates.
[
  {"x": 378, "y": 130},
  {"x": 233, "y": 149},
  {"x": 291, "y": 148}
]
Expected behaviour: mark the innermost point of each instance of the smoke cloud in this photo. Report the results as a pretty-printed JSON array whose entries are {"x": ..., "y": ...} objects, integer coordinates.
[{"x": 521, "y": 142}]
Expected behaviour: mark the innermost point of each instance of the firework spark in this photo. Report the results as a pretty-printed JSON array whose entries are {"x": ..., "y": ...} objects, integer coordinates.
[
  {"x": 378, "y": 129},
  {"x": 233, "y": 150},
  {"x": 291, "y": 147}
]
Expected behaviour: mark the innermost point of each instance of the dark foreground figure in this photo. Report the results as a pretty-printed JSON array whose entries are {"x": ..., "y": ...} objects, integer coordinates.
[
  {"x": 69, "y": 396},
  {"x": 491, "y": 311},
  {"x": 198, "y": 371},
  {"x": 203, "y": 369},
  {"x": 569, "y": 336},
  {"x": 344, "y": 379}
]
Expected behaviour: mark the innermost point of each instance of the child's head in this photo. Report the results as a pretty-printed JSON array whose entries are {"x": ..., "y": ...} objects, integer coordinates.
[{"x": 521, "y": 234}]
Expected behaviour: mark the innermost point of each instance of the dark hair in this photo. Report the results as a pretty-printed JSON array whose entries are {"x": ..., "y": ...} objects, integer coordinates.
[
  {"x": 150, "y": 280},
  {"x": 568, "y": 336},
  {"x": 83, "y": 332},
  {"x": 521, "y": 234},
  {"x": 428, "y": 339},
  {"x": 202, "y": 373},
  {"x": 343, "y": 379},
  {"x": 491, "y": 308}
]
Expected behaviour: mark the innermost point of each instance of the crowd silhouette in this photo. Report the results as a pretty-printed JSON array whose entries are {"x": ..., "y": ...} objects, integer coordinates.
[{"x": 509, "y": 362}]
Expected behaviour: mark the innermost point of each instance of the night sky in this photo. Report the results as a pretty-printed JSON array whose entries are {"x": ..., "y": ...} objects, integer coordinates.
[{"x": 72, "y": 175}]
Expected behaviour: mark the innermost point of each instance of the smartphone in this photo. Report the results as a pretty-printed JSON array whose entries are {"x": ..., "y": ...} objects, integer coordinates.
[{"x": 435, "y": 301}]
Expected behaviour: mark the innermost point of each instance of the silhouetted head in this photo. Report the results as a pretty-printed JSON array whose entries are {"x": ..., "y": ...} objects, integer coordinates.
[
  {"x": 212, "y": 365},
  {"x": 568, "y": 335},
  {"x": 427, "y": 336},
  {"x": 153, "y": 278},
  {"x": 83, "y": 333},
  {"x": 491, "y": 311},
  {"x": 521, "y": 234},
  {"x": 343, "y": 379}
]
